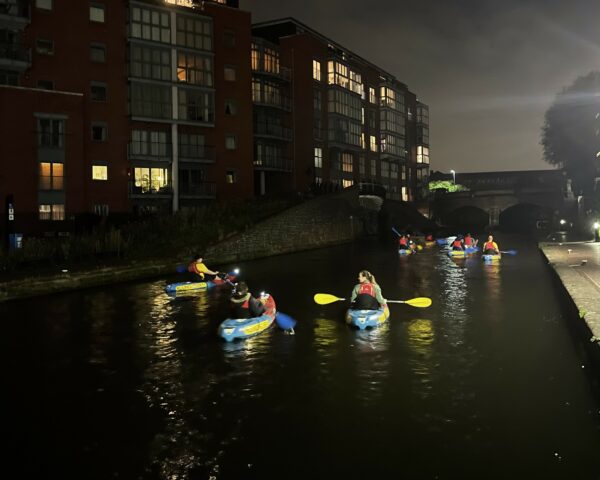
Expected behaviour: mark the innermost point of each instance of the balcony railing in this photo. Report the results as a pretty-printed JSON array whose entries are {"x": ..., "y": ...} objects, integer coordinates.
[
  {"x": 157, "y": 151},
  {"x": 281, "y": 73},
  {"x": 145, "y": 190},
  {"x": 11, "y": 10},
  {"x": 14, "y": 55},
  {"x": 273, "y": 100},
  {"x": 197, "y": 153},
  {"x": 205, "y": 190},
  {"x": 273, "y": 163},
  {"x": 274, "y": 131}
]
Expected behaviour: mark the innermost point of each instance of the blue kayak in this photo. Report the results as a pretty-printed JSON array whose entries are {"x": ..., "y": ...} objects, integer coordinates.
[
  {"x": 406, "y": 251},
  {"x": 233, "y": 328},
  {"x": 367, "y": 318},
  {"x": 462, "y": 253},
  {"x": 491, "y": 258}
]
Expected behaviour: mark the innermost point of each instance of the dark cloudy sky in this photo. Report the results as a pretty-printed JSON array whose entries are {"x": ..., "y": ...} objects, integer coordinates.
[{"x": 488, "y": 69}]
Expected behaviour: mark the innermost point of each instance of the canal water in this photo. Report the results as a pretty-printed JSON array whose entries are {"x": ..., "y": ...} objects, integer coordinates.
[{"x": 126, "y": 382}]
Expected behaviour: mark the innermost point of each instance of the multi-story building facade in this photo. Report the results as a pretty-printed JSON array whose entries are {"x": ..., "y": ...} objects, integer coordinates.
[
  {"x": 350, "y": 120},
  {"x": 114, "y": 107}
]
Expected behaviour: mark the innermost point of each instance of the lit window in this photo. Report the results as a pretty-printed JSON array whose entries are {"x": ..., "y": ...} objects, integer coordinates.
[
  {"x": 151, "y": 180},
  {"x": 373, "y": 143},
  {"x": 51, "y": 212},
  {"x": 255, "y": 57},
  {"x": 51, "y": 176},
  {"x": 372, "y": 96},
  {"x": 101, "y": 210},
  {"x": 230, "y": 142},
  {"x": 45, "y": 212},
  {"x": 318, "y": 157},
  {"x": 404, "y": 194},
  {"x": 43, "y": 4},
  {"x": 347, "y": 183},
  {"x": 317, "y": 70},
  {"x": 347, "y": 162},
  {"x": 230, "y": 176},
  {"x": 230, "y": 73},
  {"x": 97, "y": 12},
  {"x": 99, "y": 172}
]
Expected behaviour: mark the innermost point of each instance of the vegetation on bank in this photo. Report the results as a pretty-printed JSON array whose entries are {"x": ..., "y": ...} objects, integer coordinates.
[
  {"x": 447, "y": 185},
  {"x": 154, "y": 236}
]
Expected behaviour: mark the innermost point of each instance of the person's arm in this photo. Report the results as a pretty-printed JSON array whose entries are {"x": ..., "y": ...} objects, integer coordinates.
[
  {"x": 256, "y": 307},
  {"x": 204, "y": 269},
  {"x": 354, "y": 293},
  {"x": 382, "y": 301}
]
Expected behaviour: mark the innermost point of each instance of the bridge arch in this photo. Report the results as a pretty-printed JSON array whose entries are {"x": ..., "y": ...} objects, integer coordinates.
[
  {"x": 467, "y": 217},
  {"x": 523, "y": 216}
]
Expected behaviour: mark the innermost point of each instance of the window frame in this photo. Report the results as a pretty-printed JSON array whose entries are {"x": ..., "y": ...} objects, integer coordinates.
[{"x": 99, "y": 7}]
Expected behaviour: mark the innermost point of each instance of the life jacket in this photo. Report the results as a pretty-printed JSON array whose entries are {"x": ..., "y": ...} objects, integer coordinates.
[
  {"x": 468, "y": 241},
  {"x": 192, "y": 268},
  {"x": 365, "y": 299},
  {"x": 457, "y": 244},
  {"x": 240, "y": 309},
  {"x": 403, "y": 242},
  {"x": 489, "y": 246},
  {"x": 429, "y": 238}
]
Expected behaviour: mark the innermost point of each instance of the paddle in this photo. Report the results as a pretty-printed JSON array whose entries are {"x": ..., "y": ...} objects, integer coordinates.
[
  {"x": 285, "y": 322},
  {"x": 396, "y": 232},
  {"x": 509, "y": 252},
  {"x": 326, "y": 298}
]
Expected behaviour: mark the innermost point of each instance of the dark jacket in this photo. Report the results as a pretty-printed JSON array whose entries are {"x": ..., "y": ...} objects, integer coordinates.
[{"x": 246, "y": 307}]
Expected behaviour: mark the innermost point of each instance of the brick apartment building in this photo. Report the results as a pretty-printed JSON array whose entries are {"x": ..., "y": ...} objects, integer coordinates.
[{"x": 130, "y": 106}]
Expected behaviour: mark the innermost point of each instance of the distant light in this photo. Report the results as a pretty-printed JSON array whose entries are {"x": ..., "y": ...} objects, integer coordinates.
[
  {"x": 236, "y": 271},
  {"x": 596, "y": 225},
  {"x": 181, "y": 3},
  {"x": 597, "y": 154},
  {"x": 562, "y": 221}
]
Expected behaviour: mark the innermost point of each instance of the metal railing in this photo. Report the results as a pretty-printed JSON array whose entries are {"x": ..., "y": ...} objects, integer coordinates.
[
  {"x": 159, "y": 151},
  {"x": 269, "y": 130},
  {"x": 202, "y": 190},
  {"x": 146, "y": 190},
  {"x": 282, "y": 73},
  {"x": 197, "y": 153},
  {"x": 273, "y": 100},
  {"x": 15, "y": 52},
  {"x": 273, "y": 162},
  {"x": 15, "y": 8}
]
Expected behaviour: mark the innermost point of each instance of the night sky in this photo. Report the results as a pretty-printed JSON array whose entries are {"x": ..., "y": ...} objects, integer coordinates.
[{"x": 488, "y": 69}]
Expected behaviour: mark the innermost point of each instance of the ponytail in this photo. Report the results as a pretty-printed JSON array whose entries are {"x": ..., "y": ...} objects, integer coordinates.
[{"x": 369, "y": 276}]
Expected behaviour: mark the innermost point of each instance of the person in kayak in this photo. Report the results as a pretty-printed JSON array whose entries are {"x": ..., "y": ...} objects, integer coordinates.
[
  {"x": 411, "y": 243},
  {"x": 198, "y": 270},
  {"x": 469, "y": 241},
  {"x": 403, "y": 242},
  {"x": 490, "y": 247},
  {"x": 366, "y": 294},
  {"x": 457, "y": 244},
  {"x": 243, "y": 304},
  {"x": 429, "y": 238}
]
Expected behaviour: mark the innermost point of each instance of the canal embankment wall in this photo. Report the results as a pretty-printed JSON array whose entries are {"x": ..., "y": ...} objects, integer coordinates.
[
  {"x": 577, "y": 267},
  {"x": 320, "y": 222}
]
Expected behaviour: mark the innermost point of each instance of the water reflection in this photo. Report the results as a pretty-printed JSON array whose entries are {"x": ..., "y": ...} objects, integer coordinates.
[
  {"x": 372, "y": 361},
  {"x": 453, "y": 295},
  {"x": 421, "y": 337}
]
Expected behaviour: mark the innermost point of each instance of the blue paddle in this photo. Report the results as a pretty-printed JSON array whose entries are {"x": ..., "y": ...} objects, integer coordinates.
[
  {"x": 509, "y": 252},
  {"x": 285, "y": 322},
  {"x": 396, "y": 232}
]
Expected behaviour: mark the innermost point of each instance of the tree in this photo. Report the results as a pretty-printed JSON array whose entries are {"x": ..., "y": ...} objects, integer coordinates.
[
  {"x": 571, "y": 131},
  {"x": 447, "y": 185}
]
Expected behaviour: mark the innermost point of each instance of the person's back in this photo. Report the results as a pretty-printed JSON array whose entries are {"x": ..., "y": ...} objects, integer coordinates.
[
  {"x": 243, "y": 304},
  {"x": 468, "y": 240},
  {"x": 457, "y": 244},
  {"x": 366, "y": 295},
  {"x": 403, "y": 243}
]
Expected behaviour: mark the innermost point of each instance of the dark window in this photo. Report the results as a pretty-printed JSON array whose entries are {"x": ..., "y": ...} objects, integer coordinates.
[
  {"x": 98, "y": 52},
  {"x": 9, "y": 78},
  {"x": 98, "y": 92},
  {"x": 45, "y": 84},
  {"x": 229, "y": 38},
  {"x": 44, "y": 4},
  {"x": 50, "y": 132},
  {"x": 230, "y": 107},
  {"x": 99, "y": 132},
  {"x": 44, "y": 47}
]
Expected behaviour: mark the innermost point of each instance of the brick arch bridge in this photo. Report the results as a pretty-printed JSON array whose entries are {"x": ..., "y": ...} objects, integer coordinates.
[{"x": 496, "y": 192}]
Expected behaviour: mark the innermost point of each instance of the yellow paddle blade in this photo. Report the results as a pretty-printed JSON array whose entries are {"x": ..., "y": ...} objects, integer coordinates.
[
  {"x": 421, "y": 302},
  {"x": 419, "y": 247},
  {"x": 325, "y": 298}
]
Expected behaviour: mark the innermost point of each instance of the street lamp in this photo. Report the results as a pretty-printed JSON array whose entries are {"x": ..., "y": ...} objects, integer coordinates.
[
  {"x": 596, "y": 231},
  {"x": 453, "y": 176}
]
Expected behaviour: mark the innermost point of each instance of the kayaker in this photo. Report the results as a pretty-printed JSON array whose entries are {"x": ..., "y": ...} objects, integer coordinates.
[
  {"x": 470, "y": 242},
  {"x": 198, "y": 269},
  {"x": 243, "y": 304},
  {"x": 429, "y": 238},
  {"x": 411, "y": 243},
  {"x": 366, "y": 294},
  {"x": 490, "y": 247},
  {"x": 403, "y": 243},
  {"x": 457, "y": 244}
]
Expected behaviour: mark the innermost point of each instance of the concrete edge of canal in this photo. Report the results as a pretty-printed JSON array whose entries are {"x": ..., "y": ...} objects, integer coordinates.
[{"x": 579, "y": 274}]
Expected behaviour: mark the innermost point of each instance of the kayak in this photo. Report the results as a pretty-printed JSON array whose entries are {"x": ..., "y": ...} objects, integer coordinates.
[
  {"x": 367, "y": 318},
  {"x": 430, "y": 243},
  {"x": 491, "y": 258},
  {"x": 462, "y": 253},
  {"x": 181, "y": 287},
  {"x": 406, "y": 251},
  {"x": 233, "y": 328}
]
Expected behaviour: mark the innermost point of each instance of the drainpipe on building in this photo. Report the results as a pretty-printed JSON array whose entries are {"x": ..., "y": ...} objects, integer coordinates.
[{"x": 175, "y": 115}]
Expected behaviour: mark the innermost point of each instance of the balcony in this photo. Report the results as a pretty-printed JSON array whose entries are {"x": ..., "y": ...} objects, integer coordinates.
[
  {"x": 275, "y": 101},
  {"x": 273, "y": 163},
  {"x": 202, "y": 191},
  {"x": 283, "y": 74},
  {"x": 14, "y": 57},
  {"x": 153, "y": 151},
  {"x": 144, "y": 190},
  {"x": 277, "y": 132},
  {"x": 14, "y": 13},
  {"x": 197, "y": 153}
]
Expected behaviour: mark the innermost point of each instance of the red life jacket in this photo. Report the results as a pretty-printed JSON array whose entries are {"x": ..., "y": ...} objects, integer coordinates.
[
  {"x": 366, "y": 288},
  {"x": 468, "y": 241},
  {"x": 489, "y": 246},
  {"x": 457, "y": 243},
  {"x": 403, "y": 241}
]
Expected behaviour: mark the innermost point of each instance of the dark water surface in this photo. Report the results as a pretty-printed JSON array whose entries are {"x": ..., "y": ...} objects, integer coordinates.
[{"x": 488, "y": 383}]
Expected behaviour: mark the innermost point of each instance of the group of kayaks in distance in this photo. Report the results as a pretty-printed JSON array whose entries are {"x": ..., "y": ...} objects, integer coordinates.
[{"x": 252, "y": 315}]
